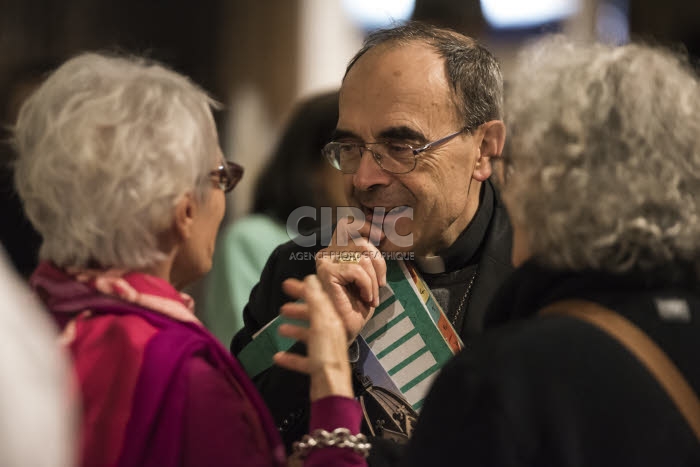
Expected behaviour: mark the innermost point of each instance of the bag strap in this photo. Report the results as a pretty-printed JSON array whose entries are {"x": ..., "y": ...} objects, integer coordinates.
[{"x": 642, "y": 347}]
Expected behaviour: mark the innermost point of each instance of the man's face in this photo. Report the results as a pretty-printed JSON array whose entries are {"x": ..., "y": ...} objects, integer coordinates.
[{"x": 400, "y": 93}]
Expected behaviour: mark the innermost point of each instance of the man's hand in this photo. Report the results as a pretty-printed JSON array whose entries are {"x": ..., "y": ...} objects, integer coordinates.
[{"x": 352, "y": 285}]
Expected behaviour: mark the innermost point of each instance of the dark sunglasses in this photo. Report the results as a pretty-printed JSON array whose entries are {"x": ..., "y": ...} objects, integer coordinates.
[{"x": 229, "y": 174}]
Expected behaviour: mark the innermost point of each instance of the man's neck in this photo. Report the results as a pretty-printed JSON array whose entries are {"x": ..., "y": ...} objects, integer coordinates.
[{"x": 464, "y": 250}]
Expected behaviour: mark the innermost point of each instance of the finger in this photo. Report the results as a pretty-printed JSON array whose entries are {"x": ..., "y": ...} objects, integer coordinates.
[
  {"x": 332, "y": 253},
  {"x": 294, "y": 288},
  {"x": 345, "y": 231},
  {"x": 313, "y": 286},
  {"x": 375, "y": 256},
  {"x": 294, "y": 332},
  {"x": 315, "y": 296},
  {"x": 292, "y": 362},
  {"x": 363, "y": 281},
  {"x": 379, "y": 264},
  {"x": 368, "y": 265},
  {"x": 327, "y": 329},
  {"x": 345, "y": 274},
  {"x": 372, "y": 231},
  {"x": 295, "y": 310}
]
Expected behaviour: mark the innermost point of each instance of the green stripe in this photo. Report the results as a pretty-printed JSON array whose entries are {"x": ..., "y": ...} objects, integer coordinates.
[
  {"x": 389, "y": 324},
  {"x": 408, "y": 361},
  {"x": 385, "y": 304},
  {"x": 396, "y": 344},
  {"x": 256, "y": 357},
  {"x": 408, "y": 386},
  {"x": 417, "y": 406},
  {"x": 416, "y": 311}
]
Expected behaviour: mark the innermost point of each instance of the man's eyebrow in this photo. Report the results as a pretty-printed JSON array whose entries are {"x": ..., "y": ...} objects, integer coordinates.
[
  {"x": 402, "y": 133},
  {"x": 339, "y": 133},
  {"x": 399, "y": 133}
]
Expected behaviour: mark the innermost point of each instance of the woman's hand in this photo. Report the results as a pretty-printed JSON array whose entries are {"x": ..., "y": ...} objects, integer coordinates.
[{"x": 325, "y": 338}]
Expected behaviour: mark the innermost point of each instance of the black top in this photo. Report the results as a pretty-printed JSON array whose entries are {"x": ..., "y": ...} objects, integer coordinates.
[{"x": 556, "y": 391}]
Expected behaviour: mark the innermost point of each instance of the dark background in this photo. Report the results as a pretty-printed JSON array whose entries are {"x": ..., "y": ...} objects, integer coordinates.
[{"x": 219, "y": 44}]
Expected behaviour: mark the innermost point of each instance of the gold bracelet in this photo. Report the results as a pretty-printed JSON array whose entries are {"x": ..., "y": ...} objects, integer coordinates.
[{"x": 339, "y": 438}]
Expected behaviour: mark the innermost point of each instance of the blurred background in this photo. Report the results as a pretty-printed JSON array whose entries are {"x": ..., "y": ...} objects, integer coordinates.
[{"x": 259, "y": 57}]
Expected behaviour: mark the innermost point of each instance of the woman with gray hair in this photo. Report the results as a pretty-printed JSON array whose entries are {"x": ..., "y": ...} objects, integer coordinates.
[
  {"x": 120, "y": 171},
  {"x": 601, "y": 180}
]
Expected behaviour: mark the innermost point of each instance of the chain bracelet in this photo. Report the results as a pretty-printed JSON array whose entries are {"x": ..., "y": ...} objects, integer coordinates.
[{"x": 339, "y": 438}]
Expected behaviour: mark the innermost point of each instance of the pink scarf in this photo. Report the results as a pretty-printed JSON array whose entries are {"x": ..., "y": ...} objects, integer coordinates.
[{"x": 152, "y": 401}]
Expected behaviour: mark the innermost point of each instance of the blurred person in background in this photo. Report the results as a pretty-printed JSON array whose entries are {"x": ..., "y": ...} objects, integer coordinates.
[
  {"x": 601, "y": 177},
  {"x": 20, "y": 239},
  {"x": 120, "y": 171},
  {"x": 296, "y": 175},
  {"x": 38, "y": 410}
]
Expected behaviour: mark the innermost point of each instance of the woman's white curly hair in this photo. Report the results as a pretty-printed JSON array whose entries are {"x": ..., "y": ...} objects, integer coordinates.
[
  {"x": 603, "y": 157},
  {"x": 107, "y": 145}
]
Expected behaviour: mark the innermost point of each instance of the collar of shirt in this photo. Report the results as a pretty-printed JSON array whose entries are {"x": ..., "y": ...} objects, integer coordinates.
[{"x": 463, "y": 251}]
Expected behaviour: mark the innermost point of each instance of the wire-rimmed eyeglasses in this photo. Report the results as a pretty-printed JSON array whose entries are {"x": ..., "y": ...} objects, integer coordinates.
[{"x": 393, "y": 157}]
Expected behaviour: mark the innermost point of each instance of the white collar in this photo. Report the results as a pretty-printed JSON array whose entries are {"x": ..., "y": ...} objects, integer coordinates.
[{"x": 431, "y": 264}]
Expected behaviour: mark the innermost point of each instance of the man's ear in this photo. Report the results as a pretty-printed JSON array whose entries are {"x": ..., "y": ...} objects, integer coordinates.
[
  {"x": 185, "y": 211},
  {"x": 494, "y": 137}
]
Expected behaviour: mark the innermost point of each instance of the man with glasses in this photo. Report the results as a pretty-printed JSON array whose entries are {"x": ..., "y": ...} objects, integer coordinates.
[{"x": 419, "y": 124}]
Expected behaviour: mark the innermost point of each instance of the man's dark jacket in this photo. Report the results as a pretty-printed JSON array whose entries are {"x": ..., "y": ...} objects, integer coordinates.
[{"x": 287, "y": 393}]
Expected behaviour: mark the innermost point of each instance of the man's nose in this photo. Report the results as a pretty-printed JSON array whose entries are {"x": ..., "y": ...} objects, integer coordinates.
[{"x": 369, "y": 174}]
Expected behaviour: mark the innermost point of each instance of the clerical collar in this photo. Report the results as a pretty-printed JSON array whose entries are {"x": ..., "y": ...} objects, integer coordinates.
[{"x": 462, "y": 252}]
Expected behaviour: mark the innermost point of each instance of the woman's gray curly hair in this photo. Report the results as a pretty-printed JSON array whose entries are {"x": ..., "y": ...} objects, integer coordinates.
[
  {"x": 107, "y": 145},
  {"x": 603, "y": 161}
]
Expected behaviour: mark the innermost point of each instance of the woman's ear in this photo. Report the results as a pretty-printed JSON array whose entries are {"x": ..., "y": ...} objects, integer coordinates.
[
  {"x": 185, "y": 212},
  {"x": 494, "y": 137}
]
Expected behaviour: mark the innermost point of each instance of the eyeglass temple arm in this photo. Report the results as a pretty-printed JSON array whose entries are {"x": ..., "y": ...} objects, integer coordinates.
[{"x": 440, "y": 141}]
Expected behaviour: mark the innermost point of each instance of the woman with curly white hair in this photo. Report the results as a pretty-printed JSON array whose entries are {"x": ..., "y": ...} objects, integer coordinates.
[
  {"x": 120, "y": 171},
  {"x": 601, "y": 178}
]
